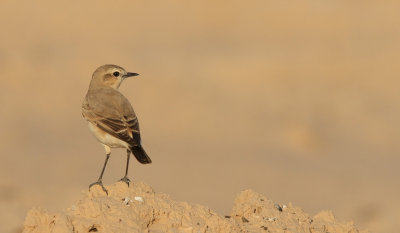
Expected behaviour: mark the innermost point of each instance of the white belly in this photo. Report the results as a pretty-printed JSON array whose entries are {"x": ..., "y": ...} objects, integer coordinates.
[{"x": 106, "y": 138}]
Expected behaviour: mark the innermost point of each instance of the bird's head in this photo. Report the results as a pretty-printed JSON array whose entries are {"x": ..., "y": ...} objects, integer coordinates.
[{"x": 110, "y": 76}]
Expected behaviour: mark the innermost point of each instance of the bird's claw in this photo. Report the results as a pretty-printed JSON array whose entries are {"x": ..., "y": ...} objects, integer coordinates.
[
  {"x": 99, "y": 182},
  {"x": 126, "y": 180}
]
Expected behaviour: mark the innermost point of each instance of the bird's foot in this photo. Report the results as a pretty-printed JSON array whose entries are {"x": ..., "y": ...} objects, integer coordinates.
[
  {"x": 126, "y": 180},
  {"x": 99, "y": 182}
]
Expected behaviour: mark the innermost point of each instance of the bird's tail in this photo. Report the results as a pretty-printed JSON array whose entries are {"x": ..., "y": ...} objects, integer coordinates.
[{"x": 140, "y": 154}]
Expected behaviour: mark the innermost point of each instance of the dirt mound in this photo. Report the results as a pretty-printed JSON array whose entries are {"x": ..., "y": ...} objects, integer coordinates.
[{"x": 139, "y": 209}]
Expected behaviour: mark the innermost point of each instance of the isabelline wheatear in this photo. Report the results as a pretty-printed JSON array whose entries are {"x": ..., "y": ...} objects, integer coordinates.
[{"x": 111, "y": 117}]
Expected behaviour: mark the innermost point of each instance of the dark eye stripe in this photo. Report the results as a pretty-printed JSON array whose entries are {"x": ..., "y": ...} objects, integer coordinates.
[{"x": 116, "y": 74}]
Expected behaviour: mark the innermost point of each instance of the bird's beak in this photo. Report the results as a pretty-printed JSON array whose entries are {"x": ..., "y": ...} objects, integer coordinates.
[{"x": 129, "y": 74}]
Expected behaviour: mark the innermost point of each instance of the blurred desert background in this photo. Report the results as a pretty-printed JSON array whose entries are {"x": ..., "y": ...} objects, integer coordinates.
[{"x": 297, "y": 100}]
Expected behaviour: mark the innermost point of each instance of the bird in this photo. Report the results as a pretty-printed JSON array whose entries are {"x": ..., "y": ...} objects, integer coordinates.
[{"x": 111, "y": 118}]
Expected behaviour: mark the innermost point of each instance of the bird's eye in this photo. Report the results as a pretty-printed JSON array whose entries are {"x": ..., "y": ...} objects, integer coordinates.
[{"x": 116, "y": 74}]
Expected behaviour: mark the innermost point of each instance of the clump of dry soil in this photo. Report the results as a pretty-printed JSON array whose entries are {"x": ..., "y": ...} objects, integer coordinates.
[{"x": 139, "y": 209}]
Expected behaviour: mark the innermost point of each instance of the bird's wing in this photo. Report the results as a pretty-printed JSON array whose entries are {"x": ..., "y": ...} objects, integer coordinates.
[{"x": 125, "y": 128}]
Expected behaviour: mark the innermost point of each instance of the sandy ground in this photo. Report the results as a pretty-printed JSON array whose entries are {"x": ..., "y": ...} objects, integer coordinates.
[
  {"x": 139, "y": 209},
  {"x": 297, "y": 100}
]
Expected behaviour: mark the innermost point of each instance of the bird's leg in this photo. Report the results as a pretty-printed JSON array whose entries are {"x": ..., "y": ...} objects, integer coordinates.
[
  {"x": 125, "y": 178},
  {"x": 99, "y": 181}
]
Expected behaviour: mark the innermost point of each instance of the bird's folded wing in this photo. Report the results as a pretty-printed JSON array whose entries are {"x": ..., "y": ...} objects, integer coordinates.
[{"x": 125, "y": 128}]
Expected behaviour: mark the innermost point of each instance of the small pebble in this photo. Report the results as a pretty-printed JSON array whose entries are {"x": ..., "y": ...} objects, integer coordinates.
[
  {"x": 126, "y": 200},
  {"x": 278, "y": 207},
  {"x": 137, "y": 198},
  {"x": 271, "y": 219}
]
